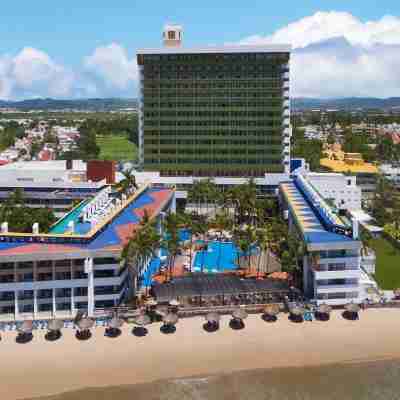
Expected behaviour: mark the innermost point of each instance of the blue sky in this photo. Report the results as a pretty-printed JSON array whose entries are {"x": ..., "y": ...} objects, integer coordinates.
[{"x": 87, "y": 48}]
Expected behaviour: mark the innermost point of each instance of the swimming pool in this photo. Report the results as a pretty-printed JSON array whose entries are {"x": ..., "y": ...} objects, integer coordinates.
[
  {"x": 219, "y": 257},
  {"x": 80, "y": 228}
]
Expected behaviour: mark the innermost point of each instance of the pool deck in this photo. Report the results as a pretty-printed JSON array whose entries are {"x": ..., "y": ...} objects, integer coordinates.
[{"x": 111, "y": 236}]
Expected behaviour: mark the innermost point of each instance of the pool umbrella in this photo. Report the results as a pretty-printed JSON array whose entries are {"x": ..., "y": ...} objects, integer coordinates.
[
  {"x": 270, "y": 313},
  {"x": 174, "y": 303},
  {"x": 25, "y": 332},
  {"x": 54, "y": 330},
  {"x": 169, "y": 322},
  {"x": 113, "y": 327},
  {"x": 239, "y": 313},
  {"x": 141, "y": 321}
]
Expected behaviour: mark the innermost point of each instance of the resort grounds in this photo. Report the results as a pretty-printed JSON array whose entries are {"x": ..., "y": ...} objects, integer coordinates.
[{"x": 41, "y": 368}]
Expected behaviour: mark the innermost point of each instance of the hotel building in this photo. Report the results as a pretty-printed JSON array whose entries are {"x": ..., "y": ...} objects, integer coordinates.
[
  {"x": 76, "y": 266},
  {"x": 214, "y": 111},
  {"x": 332, "y": 262}
]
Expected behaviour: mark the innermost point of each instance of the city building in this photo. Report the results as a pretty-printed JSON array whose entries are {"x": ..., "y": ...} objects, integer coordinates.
[
  {"x": 214, "y": 111},
  {"x": 391, "y": 172},
  {"x": 77, "y": 266},
  {"x": 337, "y": 160},
  {"x": 332, "y": 262},
  {"x": 55, "y": 184}
]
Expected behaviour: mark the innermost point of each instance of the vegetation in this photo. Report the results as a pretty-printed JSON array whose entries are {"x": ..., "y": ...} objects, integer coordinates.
[
  {"x": 21, "y": 218},
  {"x": 117, "y": 148},
  {"x": 309, "y": 149},
  {"x": 11, "y": 132},
  {"x": 387, "y": 264}
]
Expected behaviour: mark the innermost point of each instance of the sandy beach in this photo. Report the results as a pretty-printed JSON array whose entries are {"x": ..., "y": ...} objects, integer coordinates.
[{"x": 41, "y": 368}]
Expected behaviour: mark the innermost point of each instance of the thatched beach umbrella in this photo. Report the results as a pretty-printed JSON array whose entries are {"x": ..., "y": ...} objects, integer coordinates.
[
  {"x": 25, "y": 332},
  {"x": 85, "y": 324},
  {"x": 113, "y": 326},
  {"x": 169, "y": 322},
  {"x": 213, "y": 317},
  {"x": 26, "y": 327},
  {"x": 142, "y": 320},
  {"x": 170, "y": 319},
  {"x": 151, "y": 303},
  {"x": 55, "y": 325},
  {"x": 272, "y": 309},
  {"x": 352, "y": 307},
  {"x": 162, "y": 310},
  {"x": 83, "y": 332},
  {"x": 351, "y": 311},
  {"x": 296, "y": 314},
  {"x": 323, "y": 312},
  {"x": 239, "y": 313},
  {"x": 115, "y": 323},
  {"x": 54, "y": 330},
  {"x": 270, "y": 313},
  {"x": 324, "y": 309}
]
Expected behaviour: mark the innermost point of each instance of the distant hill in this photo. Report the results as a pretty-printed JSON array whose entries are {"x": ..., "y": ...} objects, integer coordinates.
[
  {"x": 111, "y": 104},
  {"x": 81, "y": 104},
  {"x": 347, "y": 103}
]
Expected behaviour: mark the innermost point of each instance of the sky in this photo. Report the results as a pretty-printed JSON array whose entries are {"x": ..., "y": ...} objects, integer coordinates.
[{"x": 86, "y": 48}]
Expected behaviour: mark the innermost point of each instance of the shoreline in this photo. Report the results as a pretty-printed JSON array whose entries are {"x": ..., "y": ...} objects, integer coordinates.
[
  {"x": 42, "y": 368},
  {"x": 247, "y": 377}
]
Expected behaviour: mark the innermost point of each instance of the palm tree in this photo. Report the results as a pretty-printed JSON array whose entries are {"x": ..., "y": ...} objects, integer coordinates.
[
  {"x": 366, "y": 240},
  {"x": 263, "y": 239},
  {"x": 221, "y": 223},
  {"x": 128, "y": 182},
  {"x": 140, "y": 248}
]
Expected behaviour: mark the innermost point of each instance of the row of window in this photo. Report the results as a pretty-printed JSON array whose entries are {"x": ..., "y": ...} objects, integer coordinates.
[
  {"x": 212, "y": 161},
  {"x": 215, "y": 114},
  {"x": 221, "y": 142},
  {"x": 269, "y": 82}
]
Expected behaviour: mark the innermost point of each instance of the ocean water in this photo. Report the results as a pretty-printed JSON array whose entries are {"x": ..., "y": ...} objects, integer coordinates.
[{"x": 379, "y": 380}]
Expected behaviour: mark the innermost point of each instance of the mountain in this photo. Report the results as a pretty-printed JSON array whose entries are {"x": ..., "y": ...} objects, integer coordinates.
[
  {"x": 81, "y": 104},
  {"x": 111, "y": 104},
  {"x": 347, "y": 103}
]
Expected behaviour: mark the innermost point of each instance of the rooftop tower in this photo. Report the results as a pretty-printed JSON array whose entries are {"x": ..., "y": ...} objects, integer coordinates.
[{"x": 172, "y": 35}]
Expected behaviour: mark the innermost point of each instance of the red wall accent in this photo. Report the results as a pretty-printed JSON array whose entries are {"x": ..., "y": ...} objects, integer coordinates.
[{"x": 98, "y": 170}]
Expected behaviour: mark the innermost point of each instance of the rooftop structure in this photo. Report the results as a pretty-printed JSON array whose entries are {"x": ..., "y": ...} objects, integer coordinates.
[
  {"x": 76, "y": 265},
  {"x": 55, "y": 184},
  {"x": 214, "y": 111},
  {"x": 347, "y": 165}
]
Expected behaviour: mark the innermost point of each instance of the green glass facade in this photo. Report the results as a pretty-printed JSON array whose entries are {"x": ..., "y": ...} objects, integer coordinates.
[{"x": 214, "y": 114}]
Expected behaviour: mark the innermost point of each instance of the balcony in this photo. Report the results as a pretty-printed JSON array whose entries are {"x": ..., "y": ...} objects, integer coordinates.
[
  {"x": 343, "y": 274},
  {"x": 346, "y": 287}
]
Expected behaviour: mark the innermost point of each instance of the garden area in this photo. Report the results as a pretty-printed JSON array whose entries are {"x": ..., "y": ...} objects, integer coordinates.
[
  {"x": 387, "y": 264},
  {"x": 116, "y": 147}
]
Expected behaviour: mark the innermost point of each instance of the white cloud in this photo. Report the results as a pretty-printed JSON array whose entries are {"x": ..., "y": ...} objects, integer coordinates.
[
  {"x": 336, "y": 54},
  {"x": 327, "y": 25},
  {"x": 112, "y": 64}
]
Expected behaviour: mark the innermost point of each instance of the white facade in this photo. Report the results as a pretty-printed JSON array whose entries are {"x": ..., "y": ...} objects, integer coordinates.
[
  {"x": 391, "y": 172},
  {"x": 341, "y": 189}
]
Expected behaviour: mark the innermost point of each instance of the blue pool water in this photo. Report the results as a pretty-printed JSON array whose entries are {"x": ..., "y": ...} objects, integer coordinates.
[
  {"x": 80, "y": 228},
  {"x": 219, "y": 257}
]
